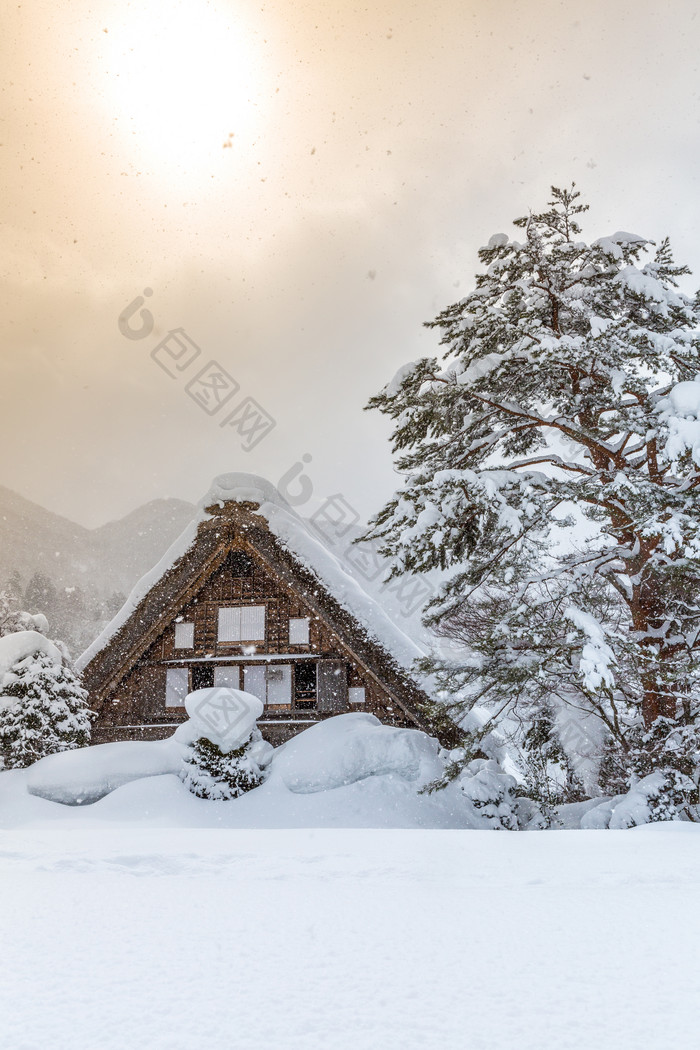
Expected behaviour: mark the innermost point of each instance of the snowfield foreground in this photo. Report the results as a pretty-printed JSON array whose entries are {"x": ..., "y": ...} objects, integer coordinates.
[
  {"x": 349, "y": 940},
  {"x": 171, "y": 939},
  {"x": 336, "y": 906}
]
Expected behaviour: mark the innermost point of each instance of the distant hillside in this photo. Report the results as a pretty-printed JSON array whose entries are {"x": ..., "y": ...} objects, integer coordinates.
[
  {"x": 78, "y": 576},
  {"x": 109, "y": 558}
]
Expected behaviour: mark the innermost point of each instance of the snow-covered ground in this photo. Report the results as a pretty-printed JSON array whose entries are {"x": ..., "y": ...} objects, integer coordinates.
[{"x": 117, "y": 938}]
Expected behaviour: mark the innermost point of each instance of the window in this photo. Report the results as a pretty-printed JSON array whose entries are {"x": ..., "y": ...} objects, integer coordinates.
[
  {"x": 279, "y": 684},
  {"x": 271, "y": 683},
  {"x": 254, "y": 681},
  {"x": 304, "y": 685},
  {"x": 299, "y": 631},
  {"x": 243, "y": 623},
  {"x": 227, "y": 676},
  {"x": 356, "y": 694},
  {"x": 177, "y": 684},
  {"x": 184, "y": 635},
  {"x": 202, "y": 676}
]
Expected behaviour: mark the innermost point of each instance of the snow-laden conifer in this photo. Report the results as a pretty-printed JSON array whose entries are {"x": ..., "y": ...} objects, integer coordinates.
[
  {"x": 552, "y": 466},
  {"x": 209, "y": 772},
  {"x": 43, "y": 709}
]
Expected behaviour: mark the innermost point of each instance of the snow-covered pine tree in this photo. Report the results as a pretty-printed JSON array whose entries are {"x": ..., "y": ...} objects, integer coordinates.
[
  {"x": 9, "y": 616},
  {"x": 211, "y": 773},
  {"x": 43, "y": 709},
  {"x": 551, "y": 465}
]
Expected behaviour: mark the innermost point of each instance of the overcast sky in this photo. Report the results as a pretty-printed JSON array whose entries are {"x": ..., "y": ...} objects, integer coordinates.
[{"x": 300, "y": 186}]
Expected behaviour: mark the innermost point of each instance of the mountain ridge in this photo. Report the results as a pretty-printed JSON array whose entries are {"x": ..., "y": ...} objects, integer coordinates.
[{"x": 109, "y": 557}]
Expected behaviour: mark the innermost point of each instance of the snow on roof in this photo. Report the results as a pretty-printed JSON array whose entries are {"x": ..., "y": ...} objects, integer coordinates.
[{"x": 295, "y": 535}]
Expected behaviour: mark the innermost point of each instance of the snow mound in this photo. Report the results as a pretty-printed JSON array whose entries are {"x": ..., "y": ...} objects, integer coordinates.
[
  {"x": 348, "y": 748},
  {"x": 87, "y": 774},
  {"x": 241, "y": 488},
  {"x": 20, "y": 645},
  {"x": 225, "y": 716}
]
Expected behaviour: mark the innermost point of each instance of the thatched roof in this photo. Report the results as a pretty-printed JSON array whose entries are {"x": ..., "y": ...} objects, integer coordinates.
[{"x": 244, "y": 508}]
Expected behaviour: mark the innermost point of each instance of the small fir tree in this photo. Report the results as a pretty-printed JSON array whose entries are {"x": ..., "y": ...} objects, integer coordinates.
[
  {"x": 43, "y": 709},
  {"x": 672, "y": 750},
  {"x": 10, "y": 617},
  {"x": 549, "y": 777},
  {"x": 211, "y": 773}
]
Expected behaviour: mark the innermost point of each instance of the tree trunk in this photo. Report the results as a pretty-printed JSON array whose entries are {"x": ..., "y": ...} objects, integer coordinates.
[{"x": 656, "y": 701}]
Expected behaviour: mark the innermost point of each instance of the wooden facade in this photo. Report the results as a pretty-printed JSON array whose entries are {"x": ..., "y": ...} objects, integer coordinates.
[{"x": 239, "y": 609}]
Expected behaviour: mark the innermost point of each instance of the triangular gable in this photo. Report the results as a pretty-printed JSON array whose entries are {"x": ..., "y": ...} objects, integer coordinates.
[{"x": 225, "y": 526}]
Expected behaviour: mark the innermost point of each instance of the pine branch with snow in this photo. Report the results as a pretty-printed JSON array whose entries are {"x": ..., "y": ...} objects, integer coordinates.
[{"x": 552, "y": 466}]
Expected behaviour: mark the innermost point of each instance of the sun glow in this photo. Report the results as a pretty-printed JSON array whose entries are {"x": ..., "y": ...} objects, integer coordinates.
[{"x": 181, "y": 84}]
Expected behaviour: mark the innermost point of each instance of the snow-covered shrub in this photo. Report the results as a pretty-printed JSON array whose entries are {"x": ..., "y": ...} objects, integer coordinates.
[
  {"x": 490, "y": 794},
  {"x": 549, "y": 777},
  {"x": 663, "y": 765},
  {"x": 211, "y": 773},
  {"x": 659, "y": 796},
  {"x": 666, "y": 758},
  {"x": 225, "y": 754},
  {"x": 43, "y": 707},
  {"x": 13, "y": 620}
]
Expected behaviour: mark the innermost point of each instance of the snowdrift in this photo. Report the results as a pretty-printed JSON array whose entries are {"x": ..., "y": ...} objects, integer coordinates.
[
  {"x": 347, "y": 771},
  {"x": 87, "y": 774},
  {"x": 353, "y": 747}
]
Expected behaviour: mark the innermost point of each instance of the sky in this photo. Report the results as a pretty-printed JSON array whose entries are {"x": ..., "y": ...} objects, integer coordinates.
[{"x": 298, "y": 187}]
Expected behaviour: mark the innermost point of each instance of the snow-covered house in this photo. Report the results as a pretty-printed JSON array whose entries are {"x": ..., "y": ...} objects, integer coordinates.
[{"x": 248, "y": 597}]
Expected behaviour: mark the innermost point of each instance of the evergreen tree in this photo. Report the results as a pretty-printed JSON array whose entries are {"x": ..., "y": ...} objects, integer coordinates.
[
  {"x": 41, "y": 593},
  {"x": 551, "y": 472},
  {"x": 549, "y": 777},
  {"x": 211, "y": 773},
  {"x": 43, "y": 709},
  {"x": 13, "y": 619},
  {"x": 13, "y": 588},
  {"x": 10, "y": 617}
]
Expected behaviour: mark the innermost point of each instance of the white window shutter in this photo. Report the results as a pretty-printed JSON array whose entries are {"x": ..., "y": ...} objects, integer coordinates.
[
  {"x": 279, "y": 684},
  {"x": 184, "y": 636},
  {"x": 227, "y": 676},
  {"x": 177, "y": 684},
  {"x": 229, "y": 624},
  {"x": 299, "y": 631},
  {"x": 254, "y": 681},
  {"x": 245, "y": 623},
  {"x": 253, "y": 623}
]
